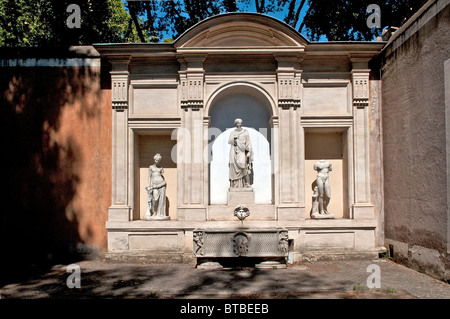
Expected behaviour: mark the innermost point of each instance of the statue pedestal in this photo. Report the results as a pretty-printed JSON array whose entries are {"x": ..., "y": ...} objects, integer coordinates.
[
  {"x": 210, "y": 265},
  {"x": 322, "y": 216},
  {"x": 146, "y": 217},
  {"x": 238, "y": 196}
]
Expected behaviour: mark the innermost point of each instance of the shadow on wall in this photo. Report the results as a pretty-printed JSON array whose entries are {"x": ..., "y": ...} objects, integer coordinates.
[{"x": 38, "y": 226}]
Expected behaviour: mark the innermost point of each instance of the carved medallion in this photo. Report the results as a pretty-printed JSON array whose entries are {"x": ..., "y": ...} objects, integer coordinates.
[{"x": 240, "y": 243}]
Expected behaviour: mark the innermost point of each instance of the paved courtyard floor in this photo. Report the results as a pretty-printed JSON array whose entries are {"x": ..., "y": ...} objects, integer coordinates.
[
  {"x": 184, "y": 291},
  {"x": 347, "y": 279}
]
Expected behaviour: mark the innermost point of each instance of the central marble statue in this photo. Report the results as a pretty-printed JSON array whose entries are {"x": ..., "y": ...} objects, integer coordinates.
[
  {"x": 322, "y": 191},
  {"x": 241, "y": 156}
]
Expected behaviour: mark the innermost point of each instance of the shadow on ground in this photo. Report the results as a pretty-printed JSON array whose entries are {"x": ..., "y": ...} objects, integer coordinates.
[{"x": 103, "y": 280}]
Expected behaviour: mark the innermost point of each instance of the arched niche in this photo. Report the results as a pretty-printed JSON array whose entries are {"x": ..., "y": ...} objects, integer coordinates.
[{"x": 255, "y": 109}]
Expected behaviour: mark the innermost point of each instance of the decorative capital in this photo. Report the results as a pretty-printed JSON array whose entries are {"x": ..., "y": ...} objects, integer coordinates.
[
  {"x": 289, "y": 92},
  {"x": 361, "y": 90},
  {"x": 119, "y": 92},
  {"x": 192, "y": 93}
]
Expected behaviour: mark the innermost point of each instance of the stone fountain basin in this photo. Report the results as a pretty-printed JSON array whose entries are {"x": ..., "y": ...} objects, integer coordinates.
[{"x": 240, "y": 242}]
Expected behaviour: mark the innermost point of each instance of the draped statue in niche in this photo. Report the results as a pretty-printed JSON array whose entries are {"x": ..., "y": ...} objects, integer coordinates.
[{"x": 241, "y": 157}]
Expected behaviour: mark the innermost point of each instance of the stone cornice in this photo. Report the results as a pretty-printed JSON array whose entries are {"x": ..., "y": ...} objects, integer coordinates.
[{"x": 149, "y": 50}]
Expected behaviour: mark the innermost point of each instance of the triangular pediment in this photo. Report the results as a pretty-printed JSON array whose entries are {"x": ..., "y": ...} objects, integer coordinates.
[{"x": 240, "y": 30}]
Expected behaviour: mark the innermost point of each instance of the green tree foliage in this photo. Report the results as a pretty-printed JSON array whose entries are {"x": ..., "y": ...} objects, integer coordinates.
[
  {"x": 43, "y": 22},
  {"x": 343, "y": 20},
  {"x": 177, "y": 16},
  {"x": 174, "y": 16},
  {"x": 338, "y": 20},
  {"x": 23, "y": 23}
]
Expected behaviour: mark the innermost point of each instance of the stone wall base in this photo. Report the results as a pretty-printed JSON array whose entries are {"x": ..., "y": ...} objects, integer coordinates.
[
  {"x": 428, "y": 261},
  {"x": 151, "y": 257},
  {"x": 339, "y": 255},
  {"x": 307, "y": 240}
]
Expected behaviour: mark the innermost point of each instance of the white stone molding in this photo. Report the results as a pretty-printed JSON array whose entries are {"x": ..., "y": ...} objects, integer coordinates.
[{"x": 243, "y": 85}]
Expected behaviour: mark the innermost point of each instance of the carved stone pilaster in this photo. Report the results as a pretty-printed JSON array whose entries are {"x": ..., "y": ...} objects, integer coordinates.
[
  {"x": 290, "y": 181},
  {"x": 362, "y": 207}
]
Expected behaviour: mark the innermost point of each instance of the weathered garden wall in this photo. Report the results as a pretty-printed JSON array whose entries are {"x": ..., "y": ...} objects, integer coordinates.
[
  {"x": 415, "y": 137},
  {"x": 56, "y": 154}
]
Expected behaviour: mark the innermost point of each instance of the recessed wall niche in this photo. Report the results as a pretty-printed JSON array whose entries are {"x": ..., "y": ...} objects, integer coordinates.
[
  {"x": 329, "y": 145},
  {"x": 148, "y": 145}
]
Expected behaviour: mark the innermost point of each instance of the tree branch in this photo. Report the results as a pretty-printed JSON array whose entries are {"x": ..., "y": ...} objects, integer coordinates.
[
  {"x": 133, "y": 15},
  {"x": 297, "y": 14},
  {"x": 303, "y": 22}
]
